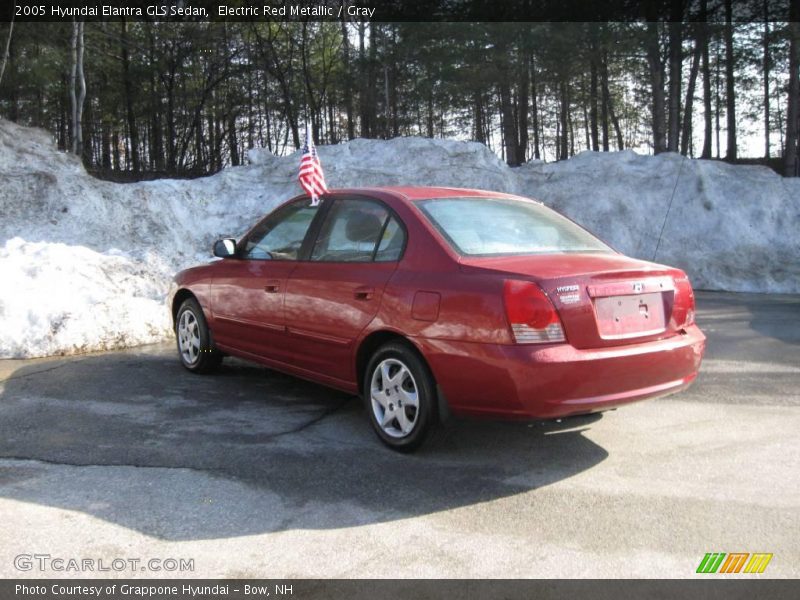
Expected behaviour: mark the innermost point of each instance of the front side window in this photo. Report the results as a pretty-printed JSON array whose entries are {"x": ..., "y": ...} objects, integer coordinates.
[
  {"x": 280, "y": 236},
  {"x": 358, "y": 230},
  {"x": 501, "y": 226}
]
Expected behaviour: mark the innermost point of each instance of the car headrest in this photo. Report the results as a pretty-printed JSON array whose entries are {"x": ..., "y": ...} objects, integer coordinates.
[{"x": 363, "y": 227}]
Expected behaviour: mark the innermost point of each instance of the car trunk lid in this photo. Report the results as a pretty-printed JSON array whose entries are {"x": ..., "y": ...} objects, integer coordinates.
[{"x": 602, "y": 299}]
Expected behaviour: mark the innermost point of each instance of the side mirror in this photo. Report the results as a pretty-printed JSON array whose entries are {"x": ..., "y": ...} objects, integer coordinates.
[{"x": 225, "y": 248}]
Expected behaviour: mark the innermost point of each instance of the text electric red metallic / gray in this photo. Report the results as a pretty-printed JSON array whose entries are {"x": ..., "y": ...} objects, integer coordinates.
[{"x": 429, "y": 301}]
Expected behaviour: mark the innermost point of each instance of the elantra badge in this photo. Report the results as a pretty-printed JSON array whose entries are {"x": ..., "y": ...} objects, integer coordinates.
[{"x": 566, "y": 295}]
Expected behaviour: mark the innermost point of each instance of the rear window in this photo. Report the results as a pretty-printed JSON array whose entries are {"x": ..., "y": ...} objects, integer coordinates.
[{"x": 501, "y": 226}]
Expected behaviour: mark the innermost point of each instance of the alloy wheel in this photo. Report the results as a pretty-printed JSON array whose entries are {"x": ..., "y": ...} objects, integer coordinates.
[
  {"x": 189, "y": 337},
  {"x": 394, "y": 397}
]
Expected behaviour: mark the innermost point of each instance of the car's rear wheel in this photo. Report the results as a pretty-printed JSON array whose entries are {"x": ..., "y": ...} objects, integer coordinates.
[
  {"x": 195, "y": 346},
  {"x": 400, "y": 394}
]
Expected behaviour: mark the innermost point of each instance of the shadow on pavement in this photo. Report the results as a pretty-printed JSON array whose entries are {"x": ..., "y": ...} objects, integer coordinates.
[{"x": 247, "y": 450}]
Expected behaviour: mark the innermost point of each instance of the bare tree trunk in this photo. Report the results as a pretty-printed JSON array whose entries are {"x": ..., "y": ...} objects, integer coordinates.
[
  {"x": 372, "y": 80},
  {"x": 607, "y": 108},
  {"x": 115, "y": 151},
  {"x": 595, "y": 140},
  {"x": 251, "y": 126},
  {"x": 558, "y": 139},
  {"x": 172, "y": 151},
  {"x": 87, "y": 134},
  {"x": 216, "y": 148},
  {"x": 717, "y": 103},
  {"x": 393, "y": 77},
  {"x": 586, "y": 125},
  {"x": 233, "y": 142},
  {"x": 127, "y": 85},
  {"x": 8, "y": 48},
  {"x": 363, "y": 99},
  {"x": 386, "y": 103},
  {"x": 73, "y": 99},
  {"x": 657, "y": 83},
  {"x": 571, "y": 123},
  {"x": 478, "y": 118},
  {"x": 687, "y": 111},
  {"x": 63, "y": 120},
  {"x": 310, "y": 103},
  {"x": 157, "y": 145},
  {"x": 509, "y": 125},
  {"x": 81, "y": 91},
  {"x": 563, "y": 119},
  {"x": 730, "y": 84},
  {"x": 199, "y": 142},
  {"x": 348, "y": 91},
  {"x": 614, "y": 121},
  {"x": 792, "y": 155},
  {"x": 707, "y": 130},
  {"x": 605, "y": 103},
  {"x": 675, "y": 74},
  {"x": 429, "y": 118},
  {"x": 766, "y": 79},
  {"x": 105, "y": 134},
  {"x": 333, "y": 138},
  {"x": 522, "y": 110},
  {"x": 534, "y": 109}
]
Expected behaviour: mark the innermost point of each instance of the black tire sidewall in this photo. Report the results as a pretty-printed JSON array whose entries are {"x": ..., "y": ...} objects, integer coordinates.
[{"x": 426, "y": 389}]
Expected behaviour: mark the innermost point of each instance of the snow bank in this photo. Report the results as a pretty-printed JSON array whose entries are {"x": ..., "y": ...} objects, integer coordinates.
[
  {"x": 729, "y": 227},
  {"x": 85, "y": 264},
  {"x": 58, "y": 298}
]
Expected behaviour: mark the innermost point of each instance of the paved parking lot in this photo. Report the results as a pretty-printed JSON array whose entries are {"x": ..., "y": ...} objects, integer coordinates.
[{"x": 251, "y": 473}]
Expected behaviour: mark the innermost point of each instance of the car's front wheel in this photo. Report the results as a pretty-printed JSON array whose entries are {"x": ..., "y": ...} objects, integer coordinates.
[
  {"x": 195, "y": 347},
  {"x": 400, "y": 395}
]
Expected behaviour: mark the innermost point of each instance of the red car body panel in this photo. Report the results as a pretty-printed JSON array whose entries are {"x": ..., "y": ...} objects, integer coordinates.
[{"x": 310, "y": 319}]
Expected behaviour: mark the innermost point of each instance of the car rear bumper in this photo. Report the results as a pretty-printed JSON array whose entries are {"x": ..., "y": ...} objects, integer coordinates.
[{"x": 545, "y": 382}]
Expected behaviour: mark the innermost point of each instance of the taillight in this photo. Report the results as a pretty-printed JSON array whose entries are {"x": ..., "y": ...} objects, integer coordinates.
[
  {"x": 684, "y": 302},
  {"x": 532, "y": 316}
]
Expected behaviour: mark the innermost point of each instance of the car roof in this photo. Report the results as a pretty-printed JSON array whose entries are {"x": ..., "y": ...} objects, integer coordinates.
[{"x": 426, "y": 192}]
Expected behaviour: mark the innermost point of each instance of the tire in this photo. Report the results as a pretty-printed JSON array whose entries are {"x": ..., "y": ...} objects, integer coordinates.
[
  {"x": 402, "y": 427},
  {"x": 195, "y": 346}
]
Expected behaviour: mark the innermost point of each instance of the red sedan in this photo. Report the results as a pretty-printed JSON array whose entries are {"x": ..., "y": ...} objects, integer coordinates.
[{"x": 432, "y": 301}]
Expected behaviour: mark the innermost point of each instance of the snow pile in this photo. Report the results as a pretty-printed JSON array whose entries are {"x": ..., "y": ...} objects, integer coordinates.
[
  {"x": 729, "y": 227},
  {"x": 59, "y": 298},
  {"x": 85, "y": 264}
]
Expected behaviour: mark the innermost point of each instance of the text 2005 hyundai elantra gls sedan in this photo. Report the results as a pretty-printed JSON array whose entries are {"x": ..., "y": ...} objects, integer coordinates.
[{"x": 436, "y": 301}]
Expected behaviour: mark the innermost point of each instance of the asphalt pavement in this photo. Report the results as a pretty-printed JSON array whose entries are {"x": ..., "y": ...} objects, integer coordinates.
[{"x": 251, "y": 473}]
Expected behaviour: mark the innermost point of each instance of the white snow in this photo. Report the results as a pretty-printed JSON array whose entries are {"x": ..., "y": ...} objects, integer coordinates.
[
  {"x": 58, "y": 298},
  {"x": 85, "y": 264},
  {"x": 729, "y": 227}
]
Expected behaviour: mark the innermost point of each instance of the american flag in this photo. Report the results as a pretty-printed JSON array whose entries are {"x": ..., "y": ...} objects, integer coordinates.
[{"x": 311, "y": 177}]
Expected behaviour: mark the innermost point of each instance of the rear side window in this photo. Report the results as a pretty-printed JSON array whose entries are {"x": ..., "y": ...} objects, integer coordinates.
[
  {"x": 358, "y": 230},
  {"x": 501, "y": 226},
  {"x": 392, "y": 242}
]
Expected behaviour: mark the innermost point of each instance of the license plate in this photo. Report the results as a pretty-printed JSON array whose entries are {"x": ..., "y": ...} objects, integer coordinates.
[{"x": 630, "y": 315}]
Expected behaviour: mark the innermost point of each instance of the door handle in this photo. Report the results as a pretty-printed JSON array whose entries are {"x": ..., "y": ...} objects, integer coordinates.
[
  {"x": 272, "y": 287},
  {"x": 363, "y": 293}
]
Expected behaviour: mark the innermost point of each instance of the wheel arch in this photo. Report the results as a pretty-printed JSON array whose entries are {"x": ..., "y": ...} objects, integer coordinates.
[
  {"x": 375, "y": 340},
  {"x": 180, "y": 297}
]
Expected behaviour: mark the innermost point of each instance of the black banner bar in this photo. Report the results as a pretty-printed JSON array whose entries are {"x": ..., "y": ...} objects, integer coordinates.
[
  {"x": 714, "y": 587},
  {"x": 379, "y": 10}
]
